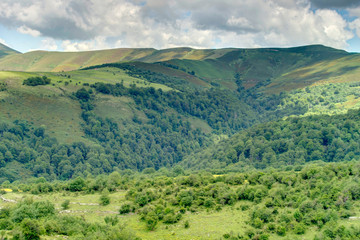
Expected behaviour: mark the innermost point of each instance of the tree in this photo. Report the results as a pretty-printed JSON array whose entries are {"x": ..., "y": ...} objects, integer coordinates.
[
  {"x": 104, "y": 198},
  {"x": 65, "y": 204},
  {"x": 30, "y": 229},
  {"x": 151, "y": 221},
  {"x": 78, "y": 184},
  {"x": 82, "y": 94}
]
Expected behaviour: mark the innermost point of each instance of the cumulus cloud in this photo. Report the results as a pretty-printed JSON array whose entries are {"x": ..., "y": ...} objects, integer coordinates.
[
  {"x": 97, "y": 44},
  {"x": 26, "y": 30},
  {"x": 97, "y": 24},
  {"x": 49, "y": 44}
]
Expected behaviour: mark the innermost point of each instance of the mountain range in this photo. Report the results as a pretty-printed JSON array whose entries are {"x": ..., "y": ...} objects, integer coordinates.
[{"x": 146, "y": 108}]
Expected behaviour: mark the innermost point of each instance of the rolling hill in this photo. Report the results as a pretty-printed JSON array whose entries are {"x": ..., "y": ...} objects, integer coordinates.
[
  {"x": 5, "y": 51},
  {"x": 141, "y": 108},
  {"x": 183, "y": 143}
]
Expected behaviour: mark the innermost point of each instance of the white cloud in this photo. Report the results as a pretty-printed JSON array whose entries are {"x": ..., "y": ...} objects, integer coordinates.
[
  {"x": 2, "y": 41},
  {"x": 49, "y": 44},
  {"x": 73, "y": 46},
  {"x": 26, "y": 30},
  {"x": 96, "y": 24}
]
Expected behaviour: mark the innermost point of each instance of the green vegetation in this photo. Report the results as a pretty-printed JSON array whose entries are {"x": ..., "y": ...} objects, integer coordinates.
[
  {"x": 311, "y": 202},
  {"x": 35, "y": 81},
  {"x": 294, "y": 141},
  {"x": 4, "y": 51},
  {"x": 180, "y": 144}
]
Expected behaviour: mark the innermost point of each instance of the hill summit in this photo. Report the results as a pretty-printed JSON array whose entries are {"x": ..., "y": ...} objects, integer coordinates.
[{"x": 5, "y": 50}]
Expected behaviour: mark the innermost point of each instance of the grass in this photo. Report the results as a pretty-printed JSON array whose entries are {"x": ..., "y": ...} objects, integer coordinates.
[
  {"x": 331, "y": 98},
  {"x": 343, "y": 70},
  {"x": 202, "y": 224},
  {"x": 42, "y": 61},
  {"x": 52, "y": 107}
]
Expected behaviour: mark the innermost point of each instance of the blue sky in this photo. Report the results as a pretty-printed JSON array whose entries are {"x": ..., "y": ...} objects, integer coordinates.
[{"x": 79, "y": 25}]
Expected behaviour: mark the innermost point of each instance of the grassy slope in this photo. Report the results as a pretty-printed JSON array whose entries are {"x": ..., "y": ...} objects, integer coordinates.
[
  {"x": 67, "y": 61},
  {"x": 218, "y": 67},
  {"x": 287, "y": 69},
  {"x": 203, "y": 224},
  {"x": 5, "y": 50},
  {"x": 51, "y": 106}
]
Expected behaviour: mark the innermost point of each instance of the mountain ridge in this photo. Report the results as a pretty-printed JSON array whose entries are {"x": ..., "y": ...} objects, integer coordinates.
[
  {"x": 48, "y": 61},
  {"x": 5, "y": 51}
]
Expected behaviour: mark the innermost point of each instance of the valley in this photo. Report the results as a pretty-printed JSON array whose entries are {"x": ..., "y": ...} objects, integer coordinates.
[{"x": 183, "y": 143}]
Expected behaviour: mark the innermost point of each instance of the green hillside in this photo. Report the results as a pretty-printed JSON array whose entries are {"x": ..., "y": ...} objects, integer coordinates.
[
  {"x": 182, "y": 143},
  {"x": 294, "y": 141},
  {"x": 5, "y": 50},
  {"x": 156, "y": 108}
]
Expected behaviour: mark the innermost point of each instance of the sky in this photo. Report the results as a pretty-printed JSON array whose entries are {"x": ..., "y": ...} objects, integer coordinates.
[{"x": 81, "y": 25}]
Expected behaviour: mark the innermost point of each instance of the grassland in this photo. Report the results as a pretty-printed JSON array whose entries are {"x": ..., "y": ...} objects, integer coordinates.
[{"x": 52, "y": 107}]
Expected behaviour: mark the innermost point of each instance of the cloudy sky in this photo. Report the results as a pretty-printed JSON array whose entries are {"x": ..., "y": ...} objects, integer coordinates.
[{"x": 77, "y": 25}]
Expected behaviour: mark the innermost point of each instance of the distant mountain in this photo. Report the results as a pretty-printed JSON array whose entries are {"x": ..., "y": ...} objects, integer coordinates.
[
  {"x": 5, "y": 50},
  {"x": 237, "y": 59}
]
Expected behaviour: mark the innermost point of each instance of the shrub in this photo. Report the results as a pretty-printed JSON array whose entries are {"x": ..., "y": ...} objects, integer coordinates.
[
  {"x": 6, "y": 224},
  {"x": 78, "y": 184},
  {"x": 281, "y": 230},
  {"x": 111, "y": 220},
  {"x": 104, "y": 198},
  {"x": 186, "y": 224},
  {"x": 299, "y": 229},
  {"x": 82, "y": 94},
  {"x": 30, "y": 229},
  {"x": 35, "y": 81},
  {"x": 65, "y": 204},
  {"x": 151, "y": 221},
  {"x": 126, "y": 208}
]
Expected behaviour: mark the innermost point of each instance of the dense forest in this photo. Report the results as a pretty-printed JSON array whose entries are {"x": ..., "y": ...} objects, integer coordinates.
[
  {"x": 166, "y": 137},
  {"x": 294, "y": 141}
]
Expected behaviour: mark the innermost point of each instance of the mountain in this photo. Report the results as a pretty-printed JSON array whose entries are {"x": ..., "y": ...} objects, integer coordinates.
[
  {"x": 147, "y": 108},
  {"x": 294, "y": 141},
  {"x": 5, "y": 51},
  {"x": 250, "y": 143},
  {"x": 44, "y": 61}
]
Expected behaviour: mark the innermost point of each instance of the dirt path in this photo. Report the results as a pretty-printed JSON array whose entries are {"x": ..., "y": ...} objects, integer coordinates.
[{"x": 7, "y": 200}]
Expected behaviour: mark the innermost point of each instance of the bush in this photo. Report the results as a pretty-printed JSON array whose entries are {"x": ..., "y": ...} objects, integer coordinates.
[
  {"x": 6, "y": 224},
  {"x": 299, "y": 229},
  {"x": 186, "y": 224},
  {"x": 82, "y": 94},
  {"x": 65, "y": 204},
  {"x": 104, "y": 198},
  {"x": 172, "y": 218},
  {"x": 126, "y": 208},
  {"x": 35, "y": 81},
  {"x": 78, "y": 184},
  {"x": 111, "y": 220},
  {"x": 281, "y": 230},
  {"x": 151, "y": 221},
  {"x": 30, "y": 230}
]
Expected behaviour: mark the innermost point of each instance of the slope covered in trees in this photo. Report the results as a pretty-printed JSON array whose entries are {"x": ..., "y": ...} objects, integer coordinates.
[{"x": 294, "y": 141}]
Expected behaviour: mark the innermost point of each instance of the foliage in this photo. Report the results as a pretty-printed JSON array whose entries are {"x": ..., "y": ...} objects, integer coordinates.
[
  {"x": 294, "y": 141},
  {"x": 65, "y": 204},
  {"x": 275, "y": 203},
  {"x": 35, "y": 81}
]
